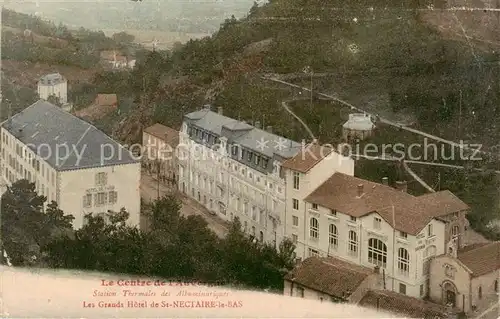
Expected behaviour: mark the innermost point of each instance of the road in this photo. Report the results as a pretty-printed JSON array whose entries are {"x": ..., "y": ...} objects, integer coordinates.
[{"x": 149, "y": 192}]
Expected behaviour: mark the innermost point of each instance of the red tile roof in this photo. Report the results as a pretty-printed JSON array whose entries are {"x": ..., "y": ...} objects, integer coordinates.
[
  {"x": 403, "y": 305},
  {"x": 164, "y": 133},
  {"x": 481, "y": 259},
  {"x": 106, "y": 100},
  {"x": 329, "y": 275},
  {"x": 307, "y": 158},
  {"x": 411, "y": 214}
]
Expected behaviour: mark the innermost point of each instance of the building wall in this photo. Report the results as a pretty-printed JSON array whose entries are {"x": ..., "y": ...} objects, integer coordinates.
[
  {"x": 157, "y": 148},
  {"x": 308, "y": 182},
  {"x": 460, "y": 282},
  {"x": 414, "y": 278},
  {"x": 231, "y": 189},
  {"x": 293, "y": 290},
  {"x": 123, "y": 179},
  {"x": 19, "y": 162},
  {"x": 60, "y": 90}
]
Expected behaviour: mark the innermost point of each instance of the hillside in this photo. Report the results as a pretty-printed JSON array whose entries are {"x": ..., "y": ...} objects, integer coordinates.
[{"x": 392, "y": 59}]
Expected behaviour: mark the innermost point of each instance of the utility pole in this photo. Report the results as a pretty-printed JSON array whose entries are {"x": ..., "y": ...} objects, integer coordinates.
[{"x": 311, "y": 88}]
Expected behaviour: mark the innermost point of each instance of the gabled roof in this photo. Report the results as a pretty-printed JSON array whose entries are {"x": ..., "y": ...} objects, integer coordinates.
[
  {"x": 63, "y": 140},
  {"x": 307, "y": 158},
  {"x": 411, "y": 214},
  {"x": 481, "y": 259},
  {"x": 106, "y": 100},
  {"x": 164, "y": 133},
  {"x": 52, "y": 79},
  {"x": 404, "y": 305},
  {"x": 329, "y": 275},
  {"x": 247, "y": 135}
]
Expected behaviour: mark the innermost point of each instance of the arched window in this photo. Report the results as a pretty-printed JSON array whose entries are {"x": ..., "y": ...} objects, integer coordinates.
[
  {"x": 333, "y": 236},
  {"x": 403, "y": 261},
  {"x": 454, "y": 231},
  {"x": 253, "y": 230},
  {"x": 377, "y": 252},
  {"x": 353, "y": 243},
  {"x": 496, "y": 285},
  {"x": 480, "y": 292},
  {"x": 313, "y": 228},
  {"x": 261, "y": 236}
]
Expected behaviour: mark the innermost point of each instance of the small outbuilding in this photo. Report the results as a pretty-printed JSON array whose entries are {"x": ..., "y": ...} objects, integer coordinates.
[{"x": 359, "y": 126}]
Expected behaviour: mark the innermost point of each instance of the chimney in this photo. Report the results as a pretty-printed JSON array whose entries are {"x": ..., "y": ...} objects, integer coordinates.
[
  {"x": 219, "y": 110},
  {"x": 269, "y": 129},
  {"x": 207, "y": 106},
  {"x": 257, "y": 124},
  {"x": 360, "y": 190},
  {"x": 385, "y": 180},
  {"x": 401, "y": 186}
]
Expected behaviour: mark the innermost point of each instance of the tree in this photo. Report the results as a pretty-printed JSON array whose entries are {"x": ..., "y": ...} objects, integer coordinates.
[
  {"x": 123, "y": 37},
  {"x": 25, "y": 227},
  {"x": 54, "y": 100}
]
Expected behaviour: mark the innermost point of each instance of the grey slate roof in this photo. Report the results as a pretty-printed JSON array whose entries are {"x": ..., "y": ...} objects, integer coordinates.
[
  {"x": 244, "y": 134},
  {"x": 65, "y": 141},
  {"x": 54, "y": 78}
]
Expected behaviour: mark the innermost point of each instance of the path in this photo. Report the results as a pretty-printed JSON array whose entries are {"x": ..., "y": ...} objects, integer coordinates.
[{"x": 381, "y": 119}]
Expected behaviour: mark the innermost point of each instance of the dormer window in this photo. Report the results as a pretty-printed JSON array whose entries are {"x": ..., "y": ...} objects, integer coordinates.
[
  {"x": 315, "y": 206},
  {"x": 257, "y": 159},
  {"x": 250, "y": 156},
  {"x": 265, "y": 162},
  {"x": 243, "y": 153}
]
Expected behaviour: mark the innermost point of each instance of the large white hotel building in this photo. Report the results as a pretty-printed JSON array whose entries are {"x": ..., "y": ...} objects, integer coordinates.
[{"x": 71, "y": 162}]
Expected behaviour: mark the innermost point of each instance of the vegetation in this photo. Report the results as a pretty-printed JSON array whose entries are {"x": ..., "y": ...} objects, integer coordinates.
[{"x": 177, "y": 247}]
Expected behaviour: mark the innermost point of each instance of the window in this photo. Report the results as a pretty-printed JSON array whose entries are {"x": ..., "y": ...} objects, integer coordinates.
[
  {"x": 377, "y": 223},
  {"x": 261, "y": 236},
  {"x": 313, "y": 228},
  {"x": 496, "y": 285},
  {"x": 315, "y": 206},
  {"x": 295, "y": 203},
  {"x": 403, "y": 261},
  {"x": 422, "y": 291},
  {"x": 313, "y": 252},
  {"x": 402, "y": 289},
  {"x": 353, "y": 243},
  {"x": 87, "y": 200},
  {"x": 250, "y": 156},
  {"x": 333, "y": 235},
  {"x": 101, "y": 179},
  {"x": 295, "y": 238},
  {"x": 100, "y": 199},
  {"x": 300, "y": 292},
  {"x": 429, "y": 230},
  {"x": 454, "y": 231},
  {"x": 296, "y": 180},
  {"x": 353, "y": 219},
  {"x": 257, "y": 159},
  {"x": 377, "y": 252},
  {"x": 480, "y": 292},
  {"x": 295, "y": 220},
  {"x": 253, "y": 230},
  {"x": 113, "y": 197},
  {"x": 403, "y": 235},
  {"x": 243, "y": 152},
  {"x": 265, "y": 162},
  {"x": 333, "y": 212}
]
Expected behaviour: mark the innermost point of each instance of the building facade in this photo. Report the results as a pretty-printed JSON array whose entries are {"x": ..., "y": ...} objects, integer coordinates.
[
  {"x": 467, "y": 278},
  {"x": 71, "y": 162},
  {"x": 234, "y": 169},
  {"x": 160, "y": 152},
  {"x": 53, "y": 85},
  {"x": 374, "y": 224}
]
